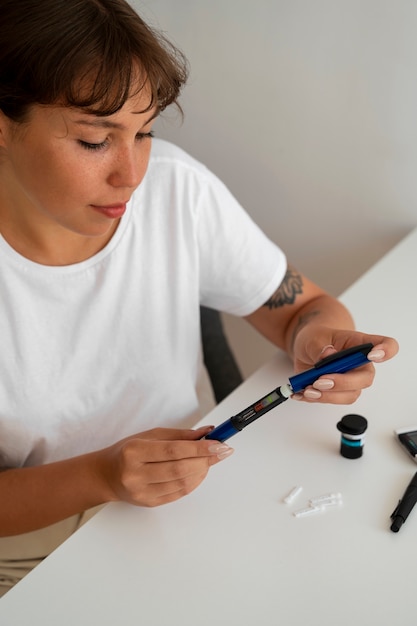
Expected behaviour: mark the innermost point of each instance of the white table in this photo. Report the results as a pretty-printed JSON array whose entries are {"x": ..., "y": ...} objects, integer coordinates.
[{"x": 232, "y": 553}]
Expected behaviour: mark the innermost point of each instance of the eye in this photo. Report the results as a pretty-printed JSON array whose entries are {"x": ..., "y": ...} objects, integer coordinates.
[
  {"x": 141, "y": 136},
  {"x": 93, "y": 146}
]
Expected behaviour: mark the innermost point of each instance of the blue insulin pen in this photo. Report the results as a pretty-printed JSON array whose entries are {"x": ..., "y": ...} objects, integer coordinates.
[{"x": 336, "y": 363}]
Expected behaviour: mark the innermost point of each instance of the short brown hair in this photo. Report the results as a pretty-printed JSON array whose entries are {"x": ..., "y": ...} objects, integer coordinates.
[{"x": 51, "y": 49}]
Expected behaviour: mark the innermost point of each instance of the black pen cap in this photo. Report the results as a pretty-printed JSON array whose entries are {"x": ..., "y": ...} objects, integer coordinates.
[
  {"x": 353, "y": 428},
  {"x": 398, "y": 521}
]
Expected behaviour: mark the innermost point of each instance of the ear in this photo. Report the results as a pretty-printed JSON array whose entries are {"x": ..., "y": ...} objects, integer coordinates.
[{"x": 4, "y": 129}]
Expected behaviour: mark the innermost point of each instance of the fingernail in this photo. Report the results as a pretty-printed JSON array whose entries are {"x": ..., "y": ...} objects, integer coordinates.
[
  {"x": 224, "y": 455},
  {"x": 222, "y": 450},
  {"x": 312, "y": 394},
  {"x": 219, "y": 448},
  {"x": 328, "y": 346},
  {"x": 323, "y": 384},
  {"x": 376, "y": 355}
]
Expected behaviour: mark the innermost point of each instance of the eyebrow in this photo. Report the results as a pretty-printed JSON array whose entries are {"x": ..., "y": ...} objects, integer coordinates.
[
  {"x": 100, "y": 123},
  {"x": 103, "y": 123}
]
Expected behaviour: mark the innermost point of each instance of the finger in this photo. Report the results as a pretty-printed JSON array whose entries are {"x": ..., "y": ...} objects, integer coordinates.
[
  {"x": 157, "y": 483},
  {"x": 339, "y": 388},
  {"x": 138, "y": 450},
  {"x": 383, "y": 351},
  {"x": 343, "y": 339},
  {"x": 360, "y": 378},
  {"x": 164, "y": 493},
  {"x": 313, "y": 396},
  {"x": 327, "y": 351},
  {"x": 387, "y": 345},
  {"x": 174, "y": 434},
  {"x": 168, "y": 471},
  {"x": 384, "y": 348},
  {"x": 141, "y": 483}
]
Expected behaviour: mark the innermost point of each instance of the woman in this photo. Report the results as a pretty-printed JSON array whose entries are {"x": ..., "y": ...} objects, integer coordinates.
[{"x": 109, "y": 244}]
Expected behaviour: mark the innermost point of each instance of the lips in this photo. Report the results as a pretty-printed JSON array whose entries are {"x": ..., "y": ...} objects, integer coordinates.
[{"x": 112, "y": 211}]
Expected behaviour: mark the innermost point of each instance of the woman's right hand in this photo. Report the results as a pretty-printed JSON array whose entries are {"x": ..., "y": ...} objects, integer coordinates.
[{"x": 160, "y": 465}]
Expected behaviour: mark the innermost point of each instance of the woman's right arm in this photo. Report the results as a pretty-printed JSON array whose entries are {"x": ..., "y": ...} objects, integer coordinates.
[{"x": 148, "y": 469}]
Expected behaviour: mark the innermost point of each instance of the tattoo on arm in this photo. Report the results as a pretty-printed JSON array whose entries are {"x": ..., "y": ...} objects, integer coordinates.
[{"x": 291, "y": 286}]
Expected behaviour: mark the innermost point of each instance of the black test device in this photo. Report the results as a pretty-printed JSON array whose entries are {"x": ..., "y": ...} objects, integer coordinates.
[{"x": 407, "y": 437}]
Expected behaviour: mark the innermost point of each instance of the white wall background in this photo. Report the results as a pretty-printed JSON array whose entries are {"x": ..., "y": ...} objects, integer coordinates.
[{"x": 307, "y": 109}]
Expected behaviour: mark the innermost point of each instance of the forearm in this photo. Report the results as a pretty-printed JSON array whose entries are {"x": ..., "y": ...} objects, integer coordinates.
[
  {"x": 296, "y": 305},
  {"x": 35, "y": 497}
]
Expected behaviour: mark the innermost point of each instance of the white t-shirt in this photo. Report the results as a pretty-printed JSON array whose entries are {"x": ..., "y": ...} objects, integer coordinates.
[{"x": 109, "y": 347}]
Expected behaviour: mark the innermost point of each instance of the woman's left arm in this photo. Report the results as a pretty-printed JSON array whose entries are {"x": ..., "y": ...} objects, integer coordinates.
[{"x": 309, "y": 324}]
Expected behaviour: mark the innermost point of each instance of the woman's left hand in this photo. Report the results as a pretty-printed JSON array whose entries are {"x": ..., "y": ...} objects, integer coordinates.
[{"x": 310, "y": 347}]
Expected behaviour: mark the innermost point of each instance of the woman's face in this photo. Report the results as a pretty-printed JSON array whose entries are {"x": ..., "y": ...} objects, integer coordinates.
[{"x": 66, "y": 170}]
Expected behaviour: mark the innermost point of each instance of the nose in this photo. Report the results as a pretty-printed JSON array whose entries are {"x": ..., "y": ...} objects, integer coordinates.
[{"x": 128, "y": 168}]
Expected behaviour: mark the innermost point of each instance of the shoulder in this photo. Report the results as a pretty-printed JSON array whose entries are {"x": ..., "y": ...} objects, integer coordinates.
[{"x": 175, "y": 159}]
